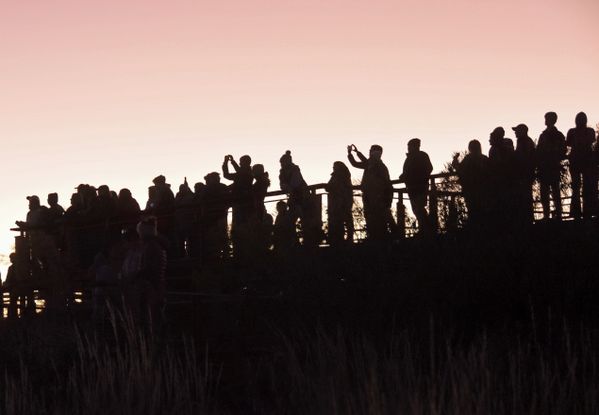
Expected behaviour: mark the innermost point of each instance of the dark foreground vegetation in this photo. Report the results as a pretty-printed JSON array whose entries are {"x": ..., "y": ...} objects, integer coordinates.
[{"x": 455, "y": 325}]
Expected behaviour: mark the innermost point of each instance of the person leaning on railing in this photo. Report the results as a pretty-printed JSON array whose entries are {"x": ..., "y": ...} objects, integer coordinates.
[{"x": 292, "y": 182}]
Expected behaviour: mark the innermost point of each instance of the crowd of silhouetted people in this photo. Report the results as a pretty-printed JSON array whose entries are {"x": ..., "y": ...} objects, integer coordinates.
[
  {"x": 499, "y": 188},
  {"x": 115, "y": 238}
]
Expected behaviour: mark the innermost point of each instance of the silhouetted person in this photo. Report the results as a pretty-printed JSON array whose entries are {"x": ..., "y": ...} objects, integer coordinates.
[
  {"x": 340, "y": 200},
  {"x": 44, "y": 250},
  {"x": 37, "y": 216},
  {"x": 215, "y": 206},
  {"x": 503, "y": 194},
  {"x": 377, "y": 192},
  {"x": 115, "y": 197},
  {"x": 241, "y": 199},
  {"x": 55, "y": 214},
  {"x": 128, "y": 209},
  {"x": 103, "y": 212},
  {"x": 41, "y": 242},
  {"x": 198, "y": 190},
  {"x": 87, "y": 195},
  {"x": 55, "y": 211},
  {"x": 165, "y": 199},
  {"x": 21, "y": 291},
  {"x": 262, "y": 222},
  {"x": 152, "y": 200},
  {"x": 473, "y": 173},
  {"x": 185, "y": 215},
  {"x": 551, "y": 150},
  {"x": 164, "y": 208},
  {"x": 284, "y": 231},
  {"x": 292, "y": 182},
  {"x": 259, "y": 190},
  {"x": 104, "y": 207},
  {"x": 195, "y": 248},
  {"x": 416, "y": 174},
  {"x": 301, "y": 204},
  {"x": 74, "y": 219},
  {"x": 525, "y": 173},
  {"x": 580, "y": 141},
  {"x": 501, "y": 155},
  {"x": 144, "y": 271},
  {"x": 11, "y": 274},
  {"x": 105, "y": 293}
]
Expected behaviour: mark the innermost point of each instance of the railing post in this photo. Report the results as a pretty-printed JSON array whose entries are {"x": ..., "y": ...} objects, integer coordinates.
[
  {"x": 317, "y": 201},
  {"x": 401, "y": 217},
  {"x": 433, "y": 208}
]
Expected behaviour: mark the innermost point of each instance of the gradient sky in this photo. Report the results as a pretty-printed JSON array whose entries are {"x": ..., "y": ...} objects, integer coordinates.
[{"x": 117, "y": 92}]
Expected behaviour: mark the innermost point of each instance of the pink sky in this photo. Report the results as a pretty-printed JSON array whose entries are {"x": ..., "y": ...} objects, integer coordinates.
[{"x": 118, "y": 92}]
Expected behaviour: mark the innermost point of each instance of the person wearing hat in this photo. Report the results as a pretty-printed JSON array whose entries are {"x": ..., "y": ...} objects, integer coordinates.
[
  {"x": 550, "y": 152},
  {"x": 377, "y": 191},
  {"x": 37, "y": 215},
  {"x": 417, "y": 170},
  {"x": 525, "y": 172},
  {"x": 580, "y": 141},
  {"x": 163, "y": 207},
  {"x": 185, "y": 213},
  {"x": 292, "y": 181},
  {"x": 164, "y": 201}
]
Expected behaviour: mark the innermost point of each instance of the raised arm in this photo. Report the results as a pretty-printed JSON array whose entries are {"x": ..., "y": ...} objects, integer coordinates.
[
  {"x": 226, "y": 174},
  {"x": 357, "y": 164},
  {"x": 234, "y": 164}
]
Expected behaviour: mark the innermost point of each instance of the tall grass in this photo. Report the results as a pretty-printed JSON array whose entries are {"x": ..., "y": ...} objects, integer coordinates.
[
  {"x": 505, "y": 375},
  {"x": 131, "y": 371}
]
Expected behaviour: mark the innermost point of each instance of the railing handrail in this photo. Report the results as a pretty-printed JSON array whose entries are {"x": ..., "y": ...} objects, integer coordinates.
[
  {"x": 110, "y": 222},
  {"x": 312, "y": 188}
]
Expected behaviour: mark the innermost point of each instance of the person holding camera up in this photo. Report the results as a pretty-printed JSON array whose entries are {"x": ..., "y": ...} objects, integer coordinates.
[
  {"x": 377, "y": 191},
  {"x": 241, "y": 197}
]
